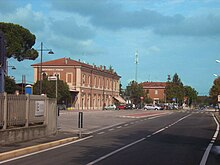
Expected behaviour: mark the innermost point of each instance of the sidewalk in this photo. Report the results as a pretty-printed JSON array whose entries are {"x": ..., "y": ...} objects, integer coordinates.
[{"x": 18, "y": 149}]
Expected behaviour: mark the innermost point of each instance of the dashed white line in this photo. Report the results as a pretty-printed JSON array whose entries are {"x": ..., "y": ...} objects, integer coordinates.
[
  {"x": 111, "y": 129},
  {"x": 101, "y": 133},
  {"x": 119, "y": 126},
  {"x": 131, "y": 144},
  {"x": 114, "y": 152}
]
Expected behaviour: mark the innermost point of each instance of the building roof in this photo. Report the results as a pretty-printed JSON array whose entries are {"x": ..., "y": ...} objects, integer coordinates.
[
  {"x": 154, "y": 84},
  {"x": 69, "y": 62}
]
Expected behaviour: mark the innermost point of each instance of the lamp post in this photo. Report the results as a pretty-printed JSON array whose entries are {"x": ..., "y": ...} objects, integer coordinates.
[
  {"x": 218, "y": 61},
  {"x": 41, "y": 61},
  {"x": 10, "y": 66}
]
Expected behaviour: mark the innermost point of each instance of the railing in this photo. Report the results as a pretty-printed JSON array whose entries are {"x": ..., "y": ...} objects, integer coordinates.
[{"x": 24, "y": 110}]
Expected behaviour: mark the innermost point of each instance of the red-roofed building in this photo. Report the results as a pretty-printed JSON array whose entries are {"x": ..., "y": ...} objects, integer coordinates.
[
  {"x": 155, "y": 90},
  {"x": 91, "y": 87}
]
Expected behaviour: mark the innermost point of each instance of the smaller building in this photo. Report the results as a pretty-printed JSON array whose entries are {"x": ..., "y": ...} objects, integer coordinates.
[{"x": 155, "y": 91}]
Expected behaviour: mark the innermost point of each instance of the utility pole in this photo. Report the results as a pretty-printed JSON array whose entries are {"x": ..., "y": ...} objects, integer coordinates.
[
  {"x": 136, "y": 62},
  {"x": 2, "y": 62}
]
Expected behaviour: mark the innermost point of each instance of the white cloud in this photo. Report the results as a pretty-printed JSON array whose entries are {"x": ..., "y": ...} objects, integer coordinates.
[{"x": 26, "y": 17}]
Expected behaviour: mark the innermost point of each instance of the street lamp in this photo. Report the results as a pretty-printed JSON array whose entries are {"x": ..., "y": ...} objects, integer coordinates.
[
  {"x": 10, "y": 66},
  {"x": 218, "y": 61},
  {"x": 41, "y": 60}
]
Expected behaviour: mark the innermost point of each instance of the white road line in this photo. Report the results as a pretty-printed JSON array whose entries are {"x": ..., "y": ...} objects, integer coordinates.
[
  {"x": 119, "y": 126},
  {"x": 116, "y": 151},
  {"x": 131, "y": 144},
  {"x": 111, "y": 129},
  {"x": 153, "y": 117},
  {"x": 34, "y": 153},
  {"x": 208, "y": 149},
  {"x": 101, "y": 133},
  {"x": 103, "y": 128},
  {"x": 126, "y": 125}
]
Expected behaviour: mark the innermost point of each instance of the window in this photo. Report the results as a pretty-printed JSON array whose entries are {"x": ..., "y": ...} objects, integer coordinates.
[
  {"x": 69, "y": 78},
  {"x": 156, "y": 92},
  {"x": 57, "y": 75},
  {"x": 84, "y": 79},
  {"x": 95, "y": 81},
  {"x": 99, "y": 82},
  {"x": 89, "y": 81}
]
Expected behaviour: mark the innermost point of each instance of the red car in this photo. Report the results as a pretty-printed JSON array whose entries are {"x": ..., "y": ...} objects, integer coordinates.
[{"x": 119, "y": 107}]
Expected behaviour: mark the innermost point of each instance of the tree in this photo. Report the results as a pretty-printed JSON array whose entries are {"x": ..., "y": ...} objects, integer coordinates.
[
  {"x": 191, "y": 94},
  {"x": 175, "y": 89},
  {"x": 49, "y": 88},
  {"x": 10, "y": 85},
  {"x": 215, "y": 91},
  {"x": 135, "y": 91},
  {"x": 19, "y": 42}
]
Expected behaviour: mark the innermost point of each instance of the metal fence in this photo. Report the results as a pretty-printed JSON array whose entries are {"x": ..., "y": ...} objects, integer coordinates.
[{"x": 24, "y": 110}]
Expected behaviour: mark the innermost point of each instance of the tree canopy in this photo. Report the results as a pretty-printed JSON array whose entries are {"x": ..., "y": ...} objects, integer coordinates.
[
  {"x": 10, "y": 85},
  {"x": 215, "y": 90},
  {"x": 49, "y": 88},
  {"x": 135, "y": 91},
  {"x": 19, "y": 42},
  {"x": 176, "y": 89}
]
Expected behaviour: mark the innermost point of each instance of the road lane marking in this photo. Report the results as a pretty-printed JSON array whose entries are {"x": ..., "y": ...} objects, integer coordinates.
[
  {"x": 131, "y": 144},
  {"x": 154, "y": 117},
  {"x": 110, "y": 126},
  {"x": 208, "y": 149},
  {"x": 116, "y": 151},
  {"x": 112, "y": 129},
  {"x": 126, "y": 125},
  {"x": 48, "y": 149},
  {"x": 119, "y": 126},
  {"x": 101, "y": 133}
]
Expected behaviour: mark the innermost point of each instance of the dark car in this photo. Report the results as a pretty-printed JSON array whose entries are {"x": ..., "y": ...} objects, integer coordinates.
[{"x": 128, "y": 106}]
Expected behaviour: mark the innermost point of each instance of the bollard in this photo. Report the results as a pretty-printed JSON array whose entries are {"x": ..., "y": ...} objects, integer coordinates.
[{"x": 80, "y": 123}]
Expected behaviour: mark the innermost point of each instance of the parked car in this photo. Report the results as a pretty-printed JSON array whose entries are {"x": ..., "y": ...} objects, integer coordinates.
[
  {"x": 61, "y": 106},
  {"x": 129, "y": 106},
  {"x": 110, "y": 107},
  {"x": 121, "y": 106},
  {"x": 152, "y": 107}
]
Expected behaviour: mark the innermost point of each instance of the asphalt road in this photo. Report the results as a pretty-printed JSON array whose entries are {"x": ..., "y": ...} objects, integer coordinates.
[{"x": 172, "y": 139}]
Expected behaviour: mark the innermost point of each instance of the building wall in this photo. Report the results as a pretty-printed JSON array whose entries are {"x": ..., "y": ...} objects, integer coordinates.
[
  {"x": 93, "y": 87},
  {"x": 156, "y": 93}
]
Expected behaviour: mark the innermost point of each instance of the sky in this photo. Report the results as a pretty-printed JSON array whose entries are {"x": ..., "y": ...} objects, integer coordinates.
[{"x": 170, "y": 36}]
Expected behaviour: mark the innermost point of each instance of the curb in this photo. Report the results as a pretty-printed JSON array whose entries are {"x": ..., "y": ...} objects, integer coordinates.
[{"x": 35, "y": 148}]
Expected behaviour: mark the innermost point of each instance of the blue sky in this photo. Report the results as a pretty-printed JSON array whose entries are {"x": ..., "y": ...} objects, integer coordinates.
[{"x": 171, "y": 36}]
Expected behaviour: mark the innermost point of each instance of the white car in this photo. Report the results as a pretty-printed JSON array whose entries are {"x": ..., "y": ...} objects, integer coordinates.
[
  {"x": 110, "y": 107},
  {"x": 152, "y": 107}
]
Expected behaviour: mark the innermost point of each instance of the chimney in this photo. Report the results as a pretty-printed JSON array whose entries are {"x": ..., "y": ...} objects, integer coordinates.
[
  {"x": 104, "y": 68},
  {"x": 66, "y": 61},
  {"x": 100, "y": 67}
]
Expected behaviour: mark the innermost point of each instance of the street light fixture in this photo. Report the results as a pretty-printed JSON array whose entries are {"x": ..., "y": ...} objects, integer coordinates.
[
  {"x": 10, "y": 66},
  {"x": 41, "y": 61},
  {"x": 218, "y": 61}
]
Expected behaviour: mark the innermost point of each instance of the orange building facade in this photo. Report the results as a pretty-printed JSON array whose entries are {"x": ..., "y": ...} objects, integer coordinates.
[
  {"x": 91, "y": 87},
  {"x": 155, "y": 90}
]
